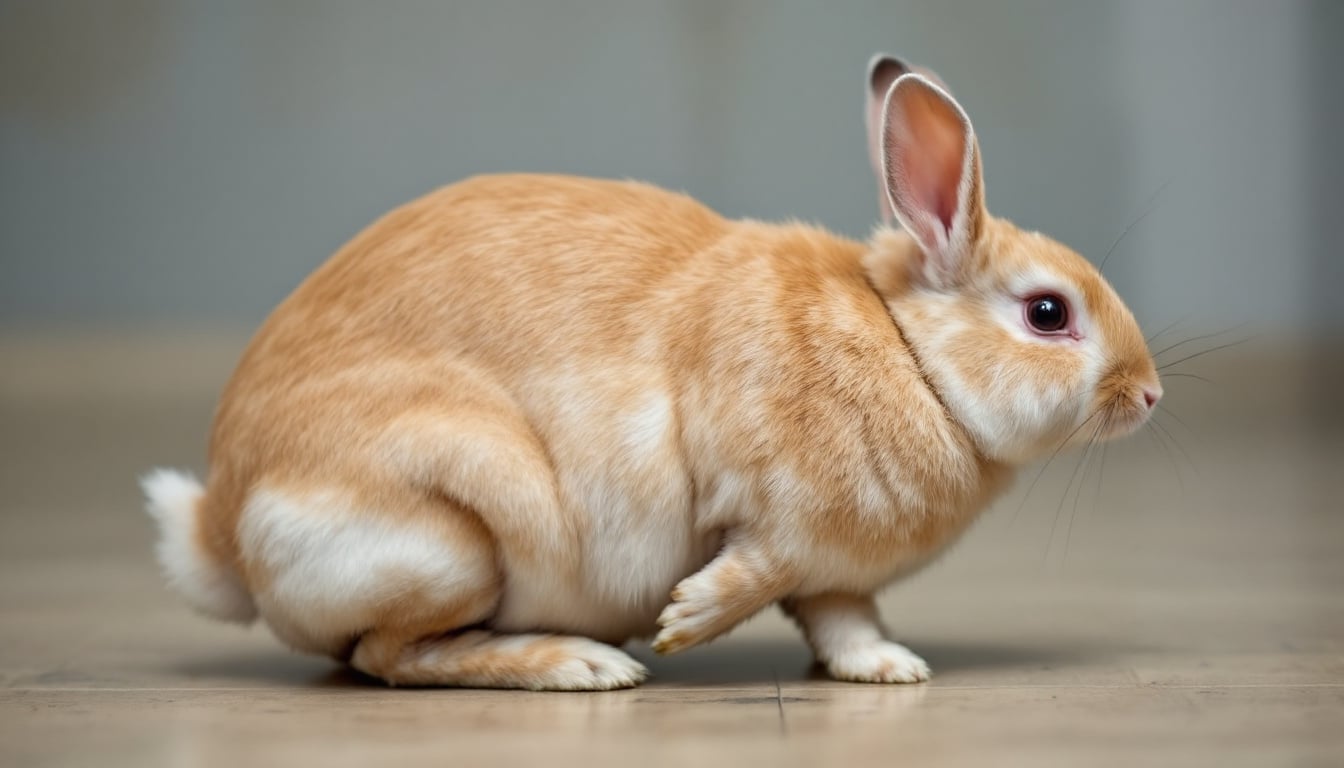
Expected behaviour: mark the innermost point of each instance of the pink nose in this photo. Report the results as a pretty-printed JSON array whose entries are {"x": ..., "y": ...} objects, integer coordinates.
[{"x": 1151, "y": 396}]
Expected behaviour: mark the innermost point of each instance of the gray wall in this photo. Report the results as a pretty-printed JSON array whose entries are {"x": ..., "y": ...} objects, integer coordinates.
[{"x": 186, "y": 163}]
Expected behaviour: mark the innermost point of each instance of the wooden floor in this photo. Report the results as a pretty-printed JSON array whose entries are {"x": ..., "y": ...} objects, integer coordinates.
[{"x": 1186, "y": 610}]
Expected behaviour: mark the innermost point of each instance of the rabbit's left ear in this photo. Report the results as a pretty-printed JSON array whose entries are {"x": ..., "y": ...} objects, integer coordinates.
[
  {"x": 883, "y": 70},
  {"x": 930, "y": 167}
]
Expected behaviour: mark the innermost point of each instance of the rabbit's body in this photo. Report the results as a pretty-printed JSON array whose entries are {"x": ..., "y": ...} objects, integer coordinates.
[
  {"x": 585, "y": 410},
  {"x": 508, "y": 421}
]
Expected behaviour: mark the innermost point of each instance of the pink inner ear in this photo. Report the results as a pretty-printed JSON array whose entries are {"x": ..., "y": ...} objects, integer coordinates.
[
  {"x": 927, "y": 152},
  {"x": 945, "y": 206}
]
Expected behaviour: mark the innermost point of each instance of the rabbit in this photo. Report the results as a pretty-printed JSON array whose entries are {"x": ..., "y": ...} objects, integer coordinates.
[{"x": 525, "y": 419}]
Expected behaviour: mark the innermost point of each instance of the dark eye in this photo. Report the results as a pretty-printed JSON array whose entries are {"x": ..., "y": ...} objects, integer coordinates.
[{"x": 1047, "y": 313}]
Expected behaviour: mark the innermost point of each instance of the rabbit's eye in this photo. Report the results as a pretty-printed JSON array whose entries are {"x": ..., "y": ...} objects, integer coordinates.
[{"x": 1047, "y": 313}]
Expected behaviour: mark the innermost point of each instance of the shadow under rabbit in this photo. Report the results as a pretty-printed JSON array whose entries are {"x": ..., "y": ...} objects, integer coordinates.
[{"x": 727, "y": 663}]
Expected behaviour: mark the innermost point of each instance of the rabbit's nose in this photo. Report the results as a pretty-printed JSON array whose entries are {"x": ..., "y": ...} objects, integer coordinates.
[{"x": 1151, "y": 395}]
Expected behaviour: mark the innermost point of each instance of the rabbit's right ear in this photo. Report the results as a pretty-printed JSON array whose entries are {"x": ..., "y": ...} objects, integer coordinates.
[{"x": 930, "y": 169}]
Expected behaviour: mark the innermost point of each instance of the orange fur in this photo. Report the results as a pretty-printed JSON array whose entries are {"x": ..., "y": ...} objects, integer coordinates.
[{"x": 556, "y": 399}]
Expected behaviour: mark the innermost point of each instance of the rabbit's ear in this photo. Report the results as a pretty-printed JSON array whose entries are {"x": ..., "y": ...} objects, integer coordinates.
[{"x": 930, "y": 165}]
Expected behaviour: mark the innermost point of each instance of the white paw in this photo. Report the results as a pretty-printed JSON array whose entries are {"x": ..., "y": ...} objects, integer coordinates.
[
  {"x": 689, "y": 619},
  {"x": 880, "y": 662},
  {"x": 587, "y": 665}
]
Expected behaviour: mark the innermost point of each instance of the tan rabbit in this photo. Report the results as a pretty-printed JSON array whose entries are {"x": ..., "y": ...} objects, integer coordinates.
[{"x": 524, "y": 419}]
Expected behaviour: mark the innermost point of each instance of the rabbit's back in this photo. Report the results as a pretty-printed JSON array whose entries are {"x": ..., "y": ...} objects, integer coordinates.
[{"x": 496, "y": 266}]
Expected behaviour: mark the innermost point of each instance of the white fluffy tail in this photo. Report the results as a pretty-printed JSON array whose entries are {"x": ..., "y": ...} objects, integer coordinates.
[{"x": 211, "y": 587}]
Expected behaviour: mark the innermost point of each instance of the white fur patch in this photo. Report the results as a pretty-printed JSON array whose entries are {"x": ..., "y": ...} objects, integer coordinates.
[
  {"x": 784, "y": 488},
  {"x": 872, "y": 497},
  {"x": 646, "y": 430},
  {"x": 731, "y": 495},
  {"x": 331, "y": 567},
  {"x": 209, "y": 587}
]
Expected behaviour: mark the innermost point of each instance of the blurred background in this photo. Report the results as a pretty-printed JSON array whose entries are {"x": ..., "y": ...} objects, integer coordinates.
[
  {"x": 180, "y": 164},
  {"x": 171, "y": 169}
]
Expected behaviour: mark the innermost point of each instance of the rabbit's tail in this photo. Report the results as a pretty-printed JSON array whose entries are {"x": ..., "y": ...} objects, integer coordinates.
[{"x": 211, "y": 587}]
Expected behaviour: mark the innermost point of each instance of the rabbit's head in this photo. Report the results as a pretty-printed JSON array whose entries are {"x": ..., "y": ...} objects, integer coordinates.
[{"x": 1022, "y": 339}]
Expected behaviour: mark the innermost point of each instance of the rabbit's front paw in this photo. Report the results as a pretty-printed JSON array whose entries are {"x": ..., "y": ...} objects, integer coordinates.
[
  {"x": 742, "y": 580},
  {"x": 693, "y": 617}
]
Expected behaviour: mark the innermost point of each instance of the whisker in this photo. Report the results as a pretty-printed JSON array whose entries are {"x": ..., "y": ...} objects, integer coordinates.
[
  {"x": 1073, "y": 514},
  {"x": 1201, "y": 337},
  {"x": 1101, "y": 477},
  {"x": 1201, "y": 354},
  {"x": 1179, "y": 420},
  {"x": 1149, "y": 207},
  {"x": 1194, "y": 467},
  {"x": 1065, "y": 496},
  {"x": 1171, "y": 458},
  {"x": 1170, "y": 326},
  {"x": 1174, "y": 375},
  {"x": 1046, "y": 466}
]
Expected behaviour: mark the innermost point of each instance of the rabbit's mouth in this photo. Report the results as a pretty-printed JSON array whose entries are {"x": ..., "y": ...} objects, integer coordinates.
[
  {"x": 1126, "y": 399},
  {"x": 1127, "y": 411}
]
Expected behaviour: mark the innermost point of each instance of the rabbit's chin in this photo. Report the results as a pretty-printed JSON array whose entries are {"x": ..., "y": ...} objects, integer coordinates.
[
  {"x": 1125, "y": 422},
  {"x": 1113, "y": 423}
]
